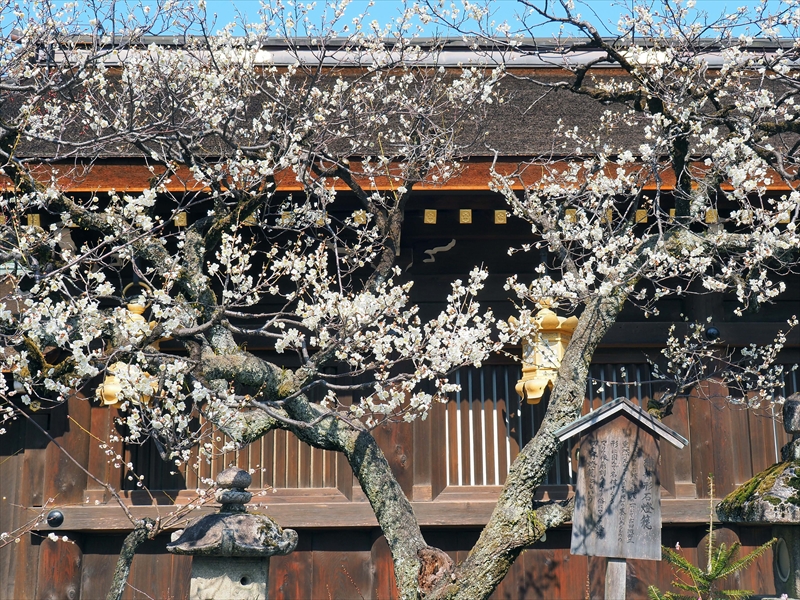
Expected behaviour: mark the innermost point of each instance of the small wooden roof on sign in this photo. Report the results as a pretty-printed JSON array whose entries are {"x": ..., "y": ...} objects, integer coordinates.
[{"x": 612, "y": 410}]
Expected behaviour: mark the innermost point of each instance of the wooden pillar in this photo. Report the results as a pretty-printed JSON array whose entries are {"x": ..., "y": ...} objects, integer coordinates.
[{"x": 616, "y": 575}]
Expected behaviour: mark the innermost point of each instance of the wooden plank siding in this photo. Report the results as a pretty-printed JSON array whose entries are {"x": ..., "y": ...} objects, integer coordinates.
[
  {"x": 484, "y": 430},
  {"x": 342, "y": 553},
  {"x": 15, "y": 558},
  {"x": 465, "y": 448},
  {"x": 329, "y": 565}
]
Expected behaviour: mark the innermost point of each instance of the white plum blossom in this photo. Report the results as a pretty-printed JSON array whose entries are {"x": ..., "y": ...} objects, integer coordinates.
[{"x": 245, "y": 277}]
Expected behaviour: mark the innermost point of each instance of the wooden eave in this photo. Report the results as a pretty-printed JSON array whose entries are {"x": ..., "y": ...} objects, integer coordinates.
[{"x": 474, "y": 175}]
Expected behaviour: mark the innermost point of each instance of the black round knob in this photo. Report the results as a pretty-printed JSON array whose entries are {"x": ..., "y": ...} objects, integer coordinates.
[
  {"x": 712, "y": 333},
  {"x": 55, "y": 518}
]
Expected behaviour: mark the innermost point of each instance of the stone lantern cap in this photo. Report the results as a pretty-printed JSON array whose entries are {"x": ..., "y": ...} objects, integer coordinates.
[
  {"x": 772, "y": 496},
  {"x": 233, "y": 531}
]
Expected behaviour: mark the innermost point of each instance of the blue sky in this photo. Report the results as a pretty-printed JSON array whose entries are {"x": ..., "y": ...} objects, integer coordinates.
[{"x": 605, "y": 11}]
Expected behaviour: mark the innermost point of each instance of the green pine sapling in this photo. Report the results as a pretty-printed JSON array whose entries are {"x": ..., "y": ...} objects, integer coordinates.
[{"x": 722, "y": 561}]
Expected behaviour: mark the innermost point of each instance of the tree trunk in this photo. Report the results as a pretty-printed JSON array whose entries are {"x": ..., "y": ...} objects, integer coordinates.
[
  {"x": 424, "y": 571},
  {"x": 514, "y": 523},
  {"x": 134, "y": 539},
  {"x": 392, "y": 509}
]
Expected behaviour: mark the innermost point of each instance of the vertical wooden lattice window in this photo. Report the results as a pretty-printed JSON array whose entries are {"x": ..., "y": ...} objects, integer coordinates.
[{"x": 488, "y": 423}]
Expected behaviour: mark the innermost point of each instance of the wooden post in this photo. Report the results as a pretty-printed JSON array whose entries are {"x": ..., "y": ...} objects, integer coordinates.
[{"x": 616, "y": 575}]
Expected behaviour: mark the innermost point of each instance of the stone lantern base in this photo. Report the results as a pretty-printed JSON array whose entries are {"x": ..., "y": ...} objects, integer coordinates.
[{"x": 215, "y": 577}]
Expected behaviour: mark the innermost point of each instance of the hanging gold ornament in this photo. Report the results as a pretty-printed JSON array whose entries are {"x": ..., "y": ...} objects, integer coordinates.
[{"x": 543, "y": 352}]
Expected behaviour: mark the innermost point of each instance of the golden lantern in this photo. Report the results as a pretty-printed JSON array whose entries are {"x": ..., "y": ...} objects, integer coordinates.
[
  {"x": 145, "y": 399},
  {"x": 109, "y": 390},
  {"x": 136, "y": 310},
  {"x": 543, "y": 351},
  {"x": 135, "y": 307}
]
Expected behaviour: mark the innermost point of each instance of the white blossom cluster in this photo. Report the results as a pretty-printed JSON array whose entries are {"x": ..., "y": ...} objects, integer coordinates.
[
  {"x": 751, "y": 374},
  {"x": 110, "y": 296},
  {"x": 610, "y": 232},
  {"x": 243, "y": 275},
  {"x": 352, "y": 125},
  {"x": 704, "y": 200}
]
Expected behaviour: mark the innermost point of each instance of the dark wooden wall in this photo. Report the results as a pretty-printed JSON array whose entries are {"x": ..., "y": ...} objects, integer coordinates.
[
  {"x": 341, "y": 553},
  {"x": 349, "y": 564},
  {"x": 451, "y": 465}
]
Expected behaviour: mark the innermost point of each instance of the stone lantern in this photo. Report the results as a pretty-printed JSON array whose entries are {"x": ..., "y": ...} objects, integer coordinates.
[
  {"x": 231, "y": 549},
  {"x": 773, "y": 498},
  {"x": 543, "y": 351}
]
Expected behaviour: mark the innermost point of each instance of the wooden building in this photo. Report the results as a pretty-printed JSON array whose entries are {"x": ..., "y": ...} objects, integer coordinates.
[{"x": 451, "y": 466}]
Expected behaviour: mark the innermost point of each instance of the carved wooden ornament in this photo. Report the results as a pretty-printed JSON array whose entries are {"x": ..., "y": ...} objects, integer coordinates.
[{"x": 618, "y": 495}]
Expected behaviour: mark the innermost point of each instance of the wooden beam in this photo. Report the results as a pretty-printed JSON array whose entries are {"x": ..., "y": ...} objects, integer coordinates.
[
  {"x": 110, "y": 517},
  {"x": 134, "y": 175},
  {"x": 653, "y": 334}
]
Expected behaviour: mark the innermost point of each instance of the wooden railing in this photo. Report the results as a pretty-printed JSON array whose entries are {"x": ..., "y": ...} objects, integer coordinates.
[{"x": 317, "y": 489}]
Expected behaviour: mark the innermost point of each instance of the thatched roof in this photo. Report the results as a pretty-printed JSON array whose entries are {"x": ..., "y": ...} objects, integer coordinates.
[{"x": 524, "y": 124}]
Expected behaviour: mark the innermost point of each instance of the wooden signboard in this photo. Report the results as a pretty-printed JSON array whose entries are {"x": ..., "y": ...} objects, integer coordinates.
[
  {"x": 618, "y": 494},
  {"x": 617, "y": 508}
]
